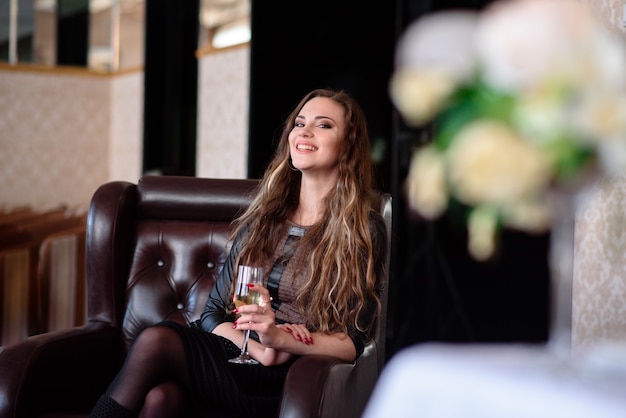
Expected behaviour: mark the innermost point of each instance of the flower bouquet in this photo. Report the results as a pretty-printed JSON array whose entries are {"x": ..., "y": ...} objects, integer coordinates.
[{"x": 523, "y": 97}]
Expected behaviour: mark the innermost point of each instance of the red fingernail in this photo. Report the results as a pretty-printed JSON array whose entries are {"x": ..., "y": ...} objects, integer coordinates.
[
  {"x": 235, "y": 325},
  {"x": 236, "y": 310},
  {"x": 298, "y": 338},
  {"x": 250, "y": 285}
]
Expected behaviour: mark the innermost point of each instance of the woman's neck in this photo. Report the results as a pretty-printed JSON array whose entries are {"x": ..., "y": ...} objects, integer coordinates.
[{"x": 311, "y": 202}]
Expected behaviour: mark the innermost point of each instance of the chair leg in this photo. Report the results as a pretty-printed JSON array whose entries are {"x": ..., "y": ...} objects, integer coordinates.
[{"x": 107, "y": 407}]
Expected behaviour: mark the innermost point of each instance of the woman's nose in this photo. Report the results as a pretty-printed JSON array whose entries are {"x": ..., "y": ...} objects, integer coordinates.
[{"x": 305, "y": 131}]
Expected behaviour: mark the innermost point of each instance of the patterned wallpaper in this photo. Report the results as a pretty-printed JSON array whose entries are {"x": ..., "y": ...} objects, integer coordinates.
[
  {"x": 223, "y": 113},
  {"x": 599, "y": 292},
  {"x": 599, "y": 288},
  {"x": 63, "y": 132},
  {"x": 53, "y": 133},
  {"x": 126, "y": 127}
]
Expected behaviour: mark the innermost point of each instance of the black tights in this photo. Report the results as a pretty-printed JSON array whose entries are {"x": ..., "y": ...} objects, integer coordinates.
[{"x": 154, "y": 380}]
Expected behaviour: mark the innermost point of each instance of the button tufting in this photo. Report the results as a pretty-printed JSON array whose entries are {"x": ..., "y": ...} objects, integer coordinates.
[
  {"x": 180, "y": 306},
  {"x": 160, "y": 263},
  {"x": 210, "y": 264}
]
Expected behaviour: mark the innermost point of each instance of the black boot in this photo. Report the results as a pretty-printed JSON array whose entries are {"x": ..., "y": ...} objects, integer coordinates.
[{"x": 107, "y": 407}]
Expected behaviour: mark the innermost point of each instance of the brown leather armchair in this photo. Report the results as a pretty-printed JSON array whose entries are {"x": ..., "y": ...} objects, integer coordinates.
[{"x": 154, "y": 250}]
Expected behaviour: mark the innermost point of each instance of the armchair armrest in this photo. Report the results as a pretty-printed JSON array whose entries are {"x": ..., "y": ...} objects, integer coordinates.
[
  {"x": 324, "y": 386},
  {"x": 30, "y": 370}
]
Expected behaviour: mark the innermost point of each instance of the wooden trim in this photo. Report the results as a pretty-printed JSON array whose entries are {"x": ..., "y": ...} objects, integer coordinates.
[
  {"x": 66, "y": 70},
  {"x": 209, "y": 50}
]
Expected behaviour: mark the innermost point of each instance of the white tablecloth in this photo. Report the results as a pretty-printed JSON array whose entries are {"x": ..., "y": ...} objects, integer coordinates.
[{"x": 500, "y": 381}]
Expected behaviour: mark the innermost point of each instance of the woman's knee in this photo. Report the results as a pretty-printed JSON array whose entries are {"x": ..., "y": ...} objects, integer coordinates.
[
  {"x": 168, "y": 399},
  {"x": 158, "y": 342},
  {"x": 157, "y": 335}
]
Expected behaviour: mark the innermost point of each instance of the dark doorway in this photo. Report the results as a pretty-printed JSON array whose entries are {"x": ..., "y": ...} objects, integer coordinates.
[
  {"x": 171, "y": 86},
  {"x": 73, "y": 32}
]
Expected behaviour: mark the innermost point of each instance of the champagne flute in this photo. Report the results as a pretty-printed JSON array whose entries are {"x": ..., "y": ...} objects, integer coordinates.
[{"x": 244, "y": 296}]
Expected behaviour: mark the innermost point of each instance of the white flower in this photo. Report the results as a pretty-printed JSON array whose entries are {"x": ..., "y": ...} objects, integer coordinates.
[
  {"x": 482, "y": 226},
  {"x": 601, "y": 115},
  {"x": 521, "y": 43},
  {"x": 525, "y": 95},
  {"x": 419, "y": 95},
  {"x": 540, "y": 116},
  {"x": 443, "y": 42},
  {"x": 434, "y": 55},
  {"x": 426, "y": 184},
  {"x": 489, "y": 163},
  {"x": 532, "y": 215},
  {"x": 600, "y": 62}
]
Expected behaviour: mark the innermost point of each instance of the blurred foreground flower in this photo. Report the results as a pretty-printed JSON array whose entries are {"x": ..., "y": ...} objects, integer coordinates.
[{"x": 524, "y": 97}]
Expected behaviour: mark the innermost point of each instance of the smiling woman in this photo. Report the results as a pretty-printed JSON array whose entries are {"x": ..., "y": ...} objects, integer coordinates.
[
  {"x": 317, "y": 137},
  {"x": 311, "y": 302}
]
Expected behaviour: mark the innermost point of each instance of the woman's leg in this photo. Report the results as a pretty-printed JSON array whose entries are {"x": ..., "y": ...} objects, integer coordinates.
[
  {"x": 166, "y": 400},
  {"x": 157, "y": 356}
]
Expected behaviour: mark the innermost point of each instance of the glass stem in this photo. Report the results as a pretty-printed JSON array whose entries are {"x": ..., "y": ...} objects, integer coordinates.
[{"x": 244, "y": 346}]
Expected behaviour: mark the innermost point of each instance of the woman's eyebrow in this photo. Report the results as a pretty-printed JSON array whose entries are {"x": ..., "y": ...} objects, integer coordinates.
[{"x": 316, "y": 117}]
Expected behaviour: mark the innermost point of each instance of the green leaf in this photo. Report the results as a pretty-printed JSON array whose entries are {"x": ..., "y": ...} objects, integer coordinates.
[
  {"x": 569, "y": 157},
  {"x": 469, "y": 103}
]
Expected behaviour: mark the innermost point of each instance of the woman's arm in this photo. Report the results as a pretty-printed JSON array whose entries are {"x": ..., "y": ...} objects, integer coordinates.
[
  {"x": 278, "y": 343},
  {"x": 299, "y": 343},
  {"x": 295, "y": 339}
]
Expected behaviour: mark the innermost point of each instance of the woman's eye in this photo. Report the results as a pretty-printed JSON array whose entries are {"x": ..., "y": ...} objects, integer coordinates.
[
  {"x": 324, "y": 125},
  {"x": 299, "y": 124}
]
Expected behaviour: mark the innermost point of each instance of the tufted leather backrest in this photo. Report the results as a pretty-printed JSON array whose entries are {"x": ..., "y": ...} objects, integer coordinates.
[
  {"x": 161, "y": 247},
  {"x": 180, "y": 243}
]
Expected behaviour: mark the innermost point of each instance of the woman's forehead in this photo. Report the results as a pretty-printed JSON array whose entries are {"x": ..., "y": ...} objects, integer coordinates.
[{"x": 323, "y": 107}]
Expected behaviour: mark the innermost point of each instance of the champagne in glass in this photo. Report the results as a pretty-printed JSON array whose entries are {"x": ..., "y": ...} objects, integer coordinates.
[{"x": 244, "y": 296}]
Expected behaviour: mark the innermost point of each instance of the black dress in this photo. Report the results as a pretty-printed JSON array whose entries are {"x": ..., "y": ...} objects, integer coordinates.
[{"x": 223, "y": 389}]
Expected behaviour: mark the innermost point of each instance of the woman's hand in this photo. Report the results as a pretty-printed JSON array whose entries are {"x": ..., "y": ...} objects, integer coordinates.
[
  {"x": 299, "y": 332},
  {"x": 261, "y": 319}
]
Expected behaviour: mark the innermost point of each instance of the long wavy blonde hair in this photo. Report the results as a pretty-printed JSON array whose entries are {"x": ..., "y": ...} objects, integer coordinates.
[{"x": 342, "y": 274}]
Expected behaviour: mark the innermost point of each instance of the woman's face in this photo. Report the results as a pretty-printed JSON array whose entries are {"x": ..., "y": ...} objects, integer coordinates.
[{"x": 316, "y": 138}]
